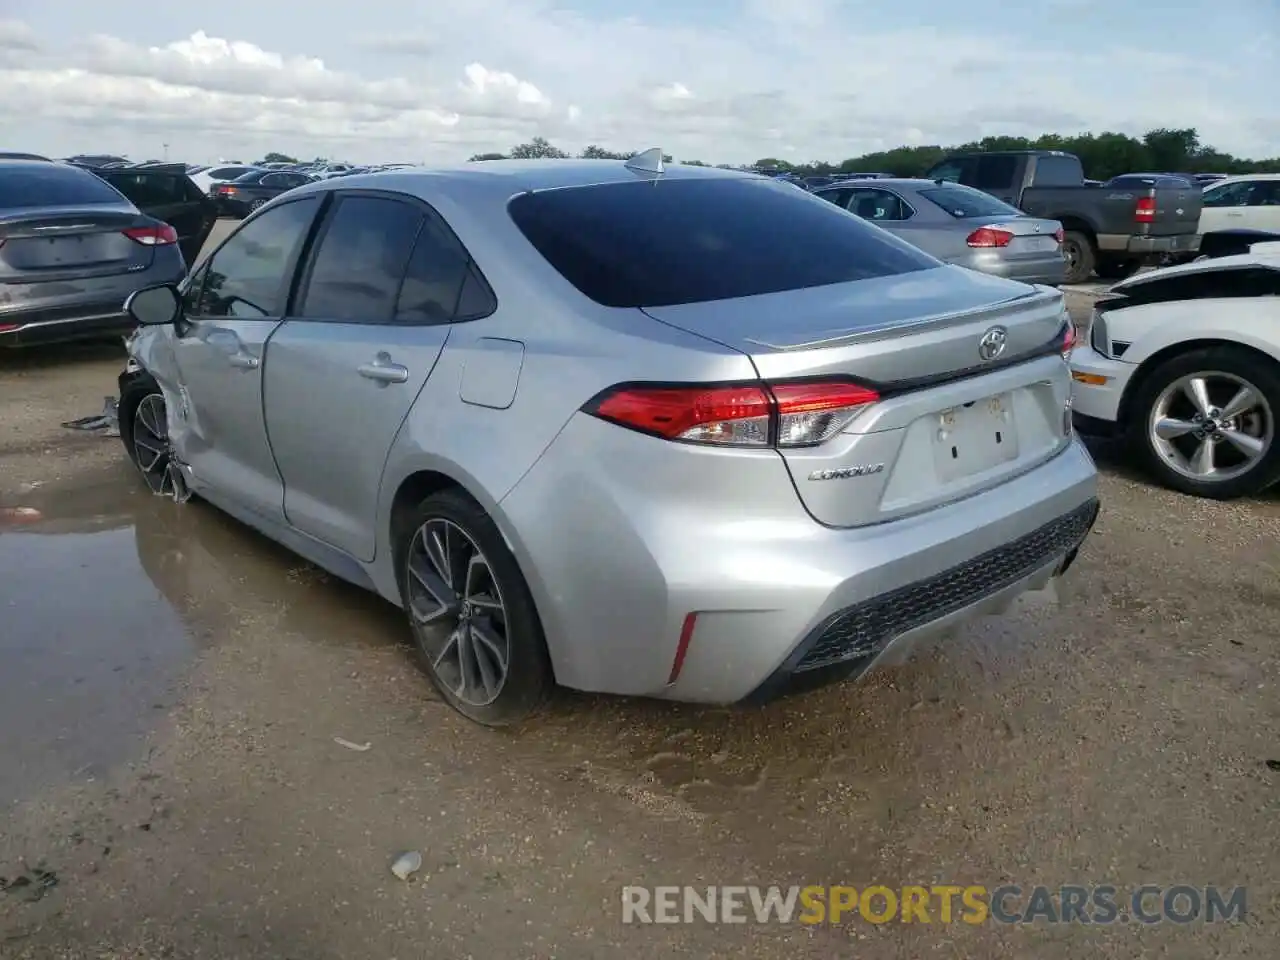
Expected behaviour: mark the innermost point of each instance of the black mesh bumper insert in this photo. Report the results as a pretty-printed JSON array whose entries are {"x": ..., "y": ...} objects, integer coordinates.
[{"x": 864, "y": 629}]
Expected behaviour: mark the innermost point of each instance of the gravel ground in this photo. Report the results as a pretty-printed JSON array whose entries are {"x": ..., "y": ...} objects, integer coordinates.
[{"x": 171, "y": 686}]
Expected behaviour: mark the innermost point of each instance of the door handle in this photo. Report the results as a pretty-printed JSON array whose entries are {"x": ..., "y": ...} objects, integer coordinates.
[
  {"x": 243, "y": 361},
  {"x": 383, "y": 370}
]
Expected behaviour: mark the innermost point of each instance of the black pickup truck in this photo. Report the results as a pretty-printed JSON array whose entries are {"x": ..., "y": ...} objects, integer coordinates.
[
  {"x": 1110, "y": 231},
  {"x": 167, "y": 193}
]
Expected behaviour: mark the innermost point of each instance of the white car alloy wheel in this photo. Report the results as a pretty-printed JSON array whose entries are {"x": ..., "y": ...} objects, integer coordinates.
[
  {"x": 1211, "y": 426},
  {"x": 1204, "y": 421}
]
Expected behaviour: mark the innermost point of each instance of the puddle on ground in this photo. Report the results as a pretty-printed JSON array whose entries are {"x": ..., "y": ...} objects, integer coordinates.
[{"x": 108, "y": 597}]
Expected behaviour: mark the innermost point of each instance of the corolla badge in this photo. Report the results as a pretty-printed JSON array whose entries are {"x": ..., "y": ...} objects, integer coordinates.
[
  {"x": 992, "y": 343},
  {"x": 845, "y": 473}
]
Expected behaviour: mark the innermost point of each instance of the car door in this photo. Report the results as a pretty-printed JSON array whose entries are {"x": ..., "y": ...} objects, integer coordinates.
[
  {"x": 1226, "y": 207},
  {"x": 233, "y": 305},
  {"x": 368, "y": 324},
  {"x": 1264, "y": 206},
  {"x": 886, "y": 209}
]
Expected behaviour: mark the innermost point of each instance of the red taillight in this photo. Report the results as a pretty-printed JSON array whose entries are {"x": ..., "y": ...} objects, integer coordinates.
[
  {"x": 785, "y": 414},
  {"x": 1059, "y": 234},
  {"x": 225, "y": 191},
  {"x": 987, "y": 237},
  {"x": 158, "y": 236},
  {"x": 1145, "y": 211},
  {"x": 1068, "y": 340}
]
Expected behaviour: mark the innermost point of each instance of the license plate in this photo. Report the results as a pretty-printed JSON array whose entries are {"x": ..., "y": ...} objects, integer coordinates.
[
  {"x": 975, "y": 437},
  {"x": 1040, "y": 244}
]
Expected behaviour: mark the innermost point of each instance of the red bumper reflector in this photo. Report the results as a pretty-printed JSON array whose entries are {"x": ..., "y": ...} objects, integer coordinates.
[{"x": 682, "y": 648}]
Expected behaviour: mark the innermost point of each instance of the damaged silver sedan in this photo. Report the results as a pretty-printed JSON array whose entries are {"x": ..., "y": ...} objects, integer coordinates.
[{"x": 671, "y": 432}]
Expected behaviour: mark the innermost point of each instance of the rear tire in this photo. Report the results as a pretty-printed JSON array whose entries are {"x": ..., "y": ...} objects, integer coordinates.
[
  {"x": 1078, "y": 248},
  {"x": 1165, "y": 396},
  {"x": 476, "y": 631},
  {"x": 257, "y": 204}
]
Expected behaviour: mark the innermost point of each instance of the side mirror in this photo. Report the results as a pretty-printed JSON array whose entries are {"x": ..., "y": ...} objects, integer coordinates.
[{"x": 154, "y": 306}]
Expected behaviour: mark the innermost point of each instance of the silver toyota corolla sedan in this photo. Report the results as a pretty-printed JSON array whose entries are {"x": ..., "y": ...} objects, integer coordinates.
[{"x": 675, "y": 432}]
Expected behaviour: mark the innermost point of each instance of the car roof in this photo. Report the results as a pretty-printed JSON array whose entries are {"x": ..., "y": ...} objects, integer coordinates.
[
  {"x": 507, "y": 177},
  {"x": 905, "y": 183},
  {"x": 1245, "y": 176},
  {"x": 11, "y": 163}
]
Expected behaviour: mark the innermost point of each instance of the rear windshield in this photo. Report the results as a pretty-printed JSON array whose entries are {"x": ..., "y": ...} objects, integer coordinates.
[
  {"x": 667, "y": 242},
  {"x": 964, "y": 202},
  {"x": 51, "y": 185}
]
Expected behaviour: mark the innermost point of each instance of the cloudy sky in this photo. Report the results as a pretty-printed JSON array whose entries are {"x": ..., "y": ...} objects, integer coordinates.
[{"x": 718, "y": 80}]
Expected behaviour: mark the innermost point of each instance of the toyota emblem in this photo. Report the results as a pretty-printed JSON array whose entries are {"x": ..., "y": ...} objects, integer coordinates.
[{"x": 992, "y": 343}]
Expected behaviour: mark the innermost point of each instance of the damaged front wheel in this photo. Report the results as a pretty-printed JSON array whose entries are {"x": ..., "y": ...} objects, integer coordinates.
[{"x": 144, "y": 428}]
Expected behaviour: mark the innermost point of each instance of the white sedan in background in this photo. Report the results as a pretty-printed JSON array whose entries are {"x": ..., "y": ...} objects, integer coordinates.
[{"x": 1183, "y": 365}]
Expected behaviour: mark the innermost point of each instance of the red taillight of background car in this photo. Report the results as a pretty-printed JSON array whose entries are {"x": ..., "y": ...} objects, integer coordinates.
[
  {"x": 989, "y": 237},
  {"x": 225, "y": 191},
  {"x": 797, "y": 414},
  {"x": 1059, "y": 235},
  {"x": 158, "y": 236},
  {"x": 1145, "y": 210}
]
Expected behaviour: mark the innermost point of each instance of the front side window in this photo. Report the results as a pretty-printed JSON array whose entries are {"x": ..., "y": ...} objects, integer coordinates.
[
  {"x": 248, "y": 276},
  {"x": 364, "y": 250},
  {"x": 1230, "y": 194},
  {"x": 661, "y": 243},
  {"x": 879, "y": 205},
  {"x": 955, "y": 170}
]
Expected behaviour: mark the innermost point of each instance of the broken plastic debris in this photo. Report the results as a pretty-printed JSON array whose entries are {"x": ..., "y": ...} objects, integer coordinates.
[
  {"x": 108, "y": 421},
  {"x": 20, "y": 514},
  {"x": 407, "y": 864},
  {"x": 177, "y": 483},
  {"x": 361, "y": 747}
]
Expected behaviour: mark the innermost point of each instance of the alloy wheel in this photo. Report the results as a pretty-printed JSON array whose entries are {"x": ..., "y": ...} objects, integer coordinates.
[
  {"x": 151, "y": 443},
  {"x": 1211, "y": 426},
  {"x": 458, "y": 612}
]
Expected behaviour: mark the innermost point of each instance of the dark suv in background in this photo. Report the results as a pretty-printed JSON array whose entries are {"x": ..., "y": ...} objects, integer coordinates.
[{"x": 164, "y": 191}]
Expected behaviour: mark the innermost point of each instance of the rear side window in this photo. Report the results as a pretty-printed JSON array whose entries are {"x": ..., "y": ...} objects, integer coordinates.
[
  {"x": 441, "y": 284},
  {"x": 364, "y": 250},
  {"x": 1057, "y": 172},
  {"x": 667, "y": 242},
  {"x": 962, "y": 202},
  {"x": 51, "y": 185}
]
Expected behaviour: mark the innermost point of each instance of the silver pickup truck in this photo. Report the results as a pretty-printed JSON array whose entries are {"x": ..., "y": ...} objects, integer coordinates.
[{"x": 1109, "y": 231}]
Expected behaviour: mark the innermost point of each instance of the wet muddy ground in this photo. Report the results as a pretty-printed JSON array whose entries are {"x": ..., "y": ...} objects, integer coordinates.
[{"x": 171, "y": 687}]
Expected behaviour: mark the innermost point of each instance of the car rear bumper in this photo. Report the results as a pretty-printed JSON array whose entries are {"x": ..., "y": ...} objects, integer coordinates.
[
  {"x": 653, "y": 581},
  {"x": 84, "y": 322},
  {"x": 1142, "y": 246},
  {"x": 1051, "y": 270},
  {"x": 102, "y": 314}
]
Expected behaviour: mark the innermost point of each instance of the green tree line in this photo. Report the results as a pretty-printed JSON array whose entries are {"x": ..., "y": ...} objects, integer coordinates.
[{"x": 1104, "y": 155}]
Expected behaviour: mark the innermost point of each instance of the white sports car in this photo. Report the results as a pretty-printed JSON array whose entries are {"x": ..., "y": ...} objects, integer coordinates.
[{"x": 1183, "y": 364}]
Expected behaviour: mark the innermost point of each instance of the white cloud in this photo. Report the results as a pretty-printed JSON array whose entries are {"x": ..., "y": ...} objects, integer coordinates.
[{"x": 396, "y": 81}]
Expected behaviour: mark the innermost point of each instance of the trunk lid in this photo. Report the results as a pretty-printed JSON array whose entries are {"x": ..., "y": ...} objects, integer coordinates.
[
  {"x": 1177, "y": 210},
  {"x": 39, "y": 245},
  {"x": 950, "y": 421},
  {"x": 1033, "y": 237}
]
